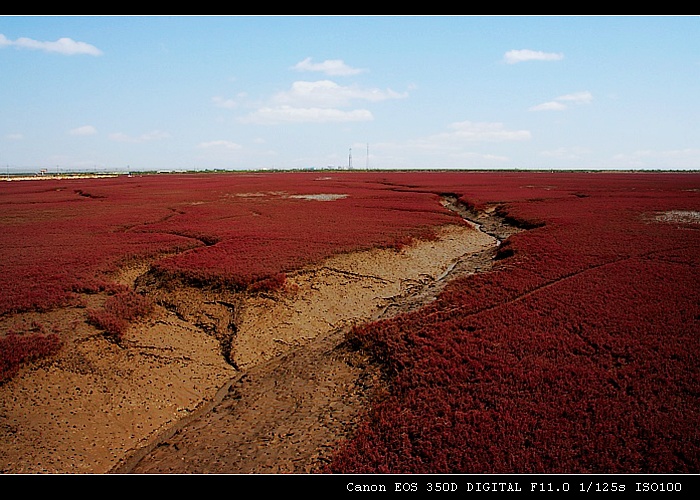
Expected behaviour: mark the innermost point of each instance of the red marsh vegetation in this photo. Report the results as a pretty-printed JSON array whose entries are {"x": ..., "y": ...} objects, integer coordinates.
[{"x": 578, "y": 352}]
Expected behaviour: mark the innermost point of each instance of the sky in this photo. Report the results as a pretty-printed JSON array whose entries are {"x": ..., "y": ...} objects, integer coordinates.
[{"x": 130, "y": 93}]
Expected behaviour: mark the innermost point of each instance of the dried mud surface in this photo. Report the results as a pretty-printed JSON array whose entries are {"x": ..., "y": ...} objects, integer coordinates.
[{"x": 216, "y": 382}]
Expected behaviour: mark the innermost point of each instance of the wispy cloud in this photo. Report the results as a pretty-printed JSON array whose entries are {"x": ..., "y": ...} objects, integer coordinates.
[
  {"x": 459, "y": 145},
  {"x": 687, "y": 158},
  {"x": 64, "y": 46},
  {"x": 577, "y": 97},
  {"x": 562, "y": 102},
  {"x": 330, "y": 67},
  {"x": 468, "y": 131},
  {"x": 291, "y": 114},
  {"x": 84, "y": 130},
  {"x": 523, "y": 55},
  {"x": 147, "y": 137},
  {"x": 222, "y": 102},
  {"x": 572, "y": 153},
  {"x": 219, "y": 144}
]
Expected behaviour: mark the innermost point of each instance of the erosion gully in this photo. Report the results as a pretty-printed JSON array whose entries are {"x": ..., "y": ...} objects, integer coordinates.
[{"x": 286, "y": 412}]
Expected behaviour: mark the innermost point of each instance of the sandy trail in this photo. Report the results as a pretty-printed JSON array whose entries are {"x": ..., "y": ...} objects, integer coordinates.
[{"x": 168, "y": 399}]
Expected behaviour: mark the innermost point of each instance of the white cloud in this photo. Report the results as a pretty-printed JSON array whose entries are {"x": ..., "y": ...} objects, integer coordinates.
[
  {"x": 582, "y": 97},
  {"x": 147, "y": 137},
  {"x": 573, "y": 153},
  {"x": 326, "y": 93},
  {"x": 331, "y": 67},
  {"x": 65, "y": 46},
  {"x": 428, "y": 152},
  {"x": 322, "y": 101},
  {"x": 549, "y": 106},
  {"x": 468, "y": 131},
  {"x": 14, "y": 137},
  {"x": 219, "y": 144},
  {"x": 561, "y": 103},
  {"x": 84, "y": 130},
  {"x": 681, "y": 159},
  {"x": 471, "y": 158},
  {"x": 517, "y": 56},
  {"x": 224, "y": 103},
  {"x": 459, "y": 146},
  {"x": 290, "y": 114}
]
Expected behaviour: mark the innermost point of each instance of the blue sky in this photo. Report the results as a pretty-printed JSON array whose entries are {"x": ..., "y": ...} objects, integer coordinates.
[{"x": 220, "y": 92}]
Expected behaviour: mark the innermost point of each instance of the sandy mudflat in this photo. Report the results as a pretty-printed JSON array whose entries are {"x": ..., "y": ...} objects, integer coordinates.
[{"x": 168, "y": 394}]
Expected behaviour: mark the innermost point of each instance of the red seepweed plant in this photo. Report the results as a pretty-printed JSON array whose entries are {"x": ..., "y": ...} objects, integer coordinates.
[
  {"x": 118, "y": 311},
  {"x": 20, "y": 348},
  {"x": 577, "y": 353}
]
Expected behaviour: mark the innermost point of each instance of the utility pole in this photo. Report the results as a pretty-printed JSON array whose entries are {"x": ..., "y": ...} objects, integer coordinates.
[{"x": 367, "y": 162}]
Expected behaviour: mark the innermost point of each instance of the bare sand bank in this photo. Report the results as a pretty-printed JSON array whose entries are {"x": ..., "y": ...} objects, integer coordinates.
[{"x": 285, "y": 394}]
